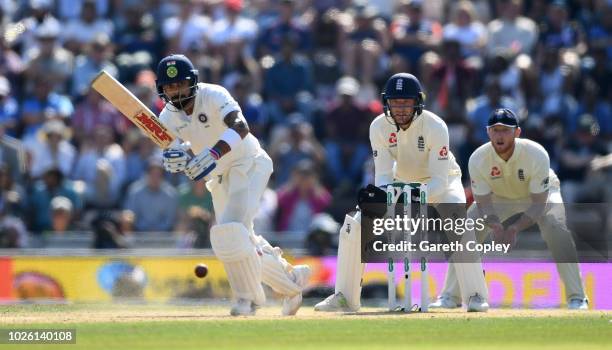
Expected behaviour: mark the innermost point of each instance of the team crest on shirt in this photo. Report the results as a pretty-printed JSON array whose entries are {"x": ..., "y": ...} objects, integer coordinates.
[
  {"x": 421, "y": 143},
  {"x": 521, "y": 175},
  {"x": 202, "y": 118},
  {"x": 443, "y": 154},
  {"x": 392, "y": 139},
  {"x": 545, "y": 182},
  {"x": 495, "y": 172}
]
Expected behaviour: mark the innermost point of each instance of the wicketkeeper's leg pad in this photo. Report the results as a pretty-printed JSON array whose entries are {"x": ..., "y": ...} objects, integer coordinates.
[
  {"x": 233, "y": 246},
  {"x": 350, "y": 269}
]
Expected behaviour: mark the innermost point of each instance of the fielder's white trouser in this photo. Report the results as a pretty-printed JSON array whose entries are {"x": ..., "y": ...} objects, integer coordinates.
[
  {"x": 350, "y": 269},
  {"x": 236, "y": 197},
  {"x": 554, "y": 232}
]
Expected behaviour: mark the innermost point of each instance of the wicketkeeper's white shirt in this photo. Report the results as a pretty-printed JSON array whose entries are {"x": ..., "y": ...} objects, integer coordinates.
[
  {"x": 419, "y": 154},
  {"x": 204, "y": 126},
  {"x": 527, "y": 171}
]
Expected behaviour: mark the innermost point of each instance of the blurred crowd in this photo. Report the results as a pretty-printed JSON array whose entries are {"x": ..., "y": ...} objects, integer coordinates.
[{"x": 307, "y": 74}]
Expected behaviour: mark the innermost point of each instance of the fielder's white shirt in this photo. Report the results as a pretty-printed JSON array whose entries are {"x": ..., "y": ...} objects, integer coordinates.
[
  {"x": 204, "y": 126},
  {"x": 419, "y": 154},
  {"x": 527, "y": 171}
]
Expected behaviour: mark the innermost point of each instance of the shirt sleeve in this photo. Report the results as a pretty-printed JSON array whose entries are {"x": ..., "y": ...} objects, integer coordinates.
[
  {"x": 540, "y": 180},
  {"x": 480, "y": 187},
  {"x": 439, "y": 163},
  {"x": 383, "y": 160},
  {"x": 223, "y": 102}
]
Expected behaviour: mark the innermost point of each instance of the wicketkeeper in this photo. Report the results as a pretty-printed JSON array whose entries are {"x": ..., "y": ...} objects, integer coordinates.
[{"x": 409, "y": 144}]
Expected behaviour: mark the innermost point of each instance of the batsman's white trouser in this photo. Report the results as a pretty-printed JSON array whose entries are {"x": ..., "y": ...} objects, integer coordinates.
[
  {"x": 236, "y": 197},
  {"x": 350, "y": 269},
  {"x": 554, "y": 231}
]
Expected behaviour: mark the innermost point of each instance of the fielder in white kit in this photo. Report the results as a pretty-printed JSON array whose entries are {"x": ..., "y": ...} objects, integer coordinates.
[
  {"x": 237, "y": 170},
  {"x": 510, "y": 176},
  {"x": 409, "y": 144}
]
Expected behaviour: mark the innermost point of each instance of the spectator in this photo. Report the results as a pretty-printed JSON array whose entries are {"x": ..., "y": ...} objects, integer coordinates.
[
  {"x": 492, "y": 99},
  {"x": 575, "y": 161},
  {"x": 270, "y": 41},
  {"x": 194, "y": 194},
  {"x": 413, "y": 34},
  {"x": 153, "y": 201},
  {"x": 100, "y": 194},
  {"x": 11, "y": 64},
  {"x": 9, "y": 108},
  {"x": 365, "y": 43},
  {"x": 108, "y": 233},
  {"x": 102, "y": 147},
  {"x": 95, "y": 112},
  {"x": 44, "y": 104},
  {"x": 347, "y": 134},
  {"x": 80, "y": 32},
  {"x": 188, "y": 31},
  {"x": 600, "y": 33},
  {"x": 300, "y": 199},
  {"x": 600, "y": 109},
  {"x": 138, "y": 149},
  {"x": 466, "y": 29},
  {"x": 51, "y": 150},
  {"x": 452, "y": 81},
  {"x": 297, "y": 145},
  {"x": 94, "y": 58},
  {"x": 13, "y": 196},
  {"x": 322, "y": 235},
  {"x": 234, "y": 28},
  {"x": 13, "y": 155},
  {"x": 511, "y": 31},
  {"x": 558, "y": 32},
  {"x": 38, "y": 14},
  {"x": 49, "y": 59},
  {"x": 285, "y": 78},
  {"x": 13, "y": 233},
  {"x": 51, "y": 185},
  {"x": 61, "y": 215}
]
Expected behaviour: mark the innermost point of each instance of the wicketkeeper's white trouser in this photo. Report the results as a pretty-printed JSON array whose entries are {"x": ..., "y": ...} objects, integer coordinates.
[{"x": 350, "y": 269}]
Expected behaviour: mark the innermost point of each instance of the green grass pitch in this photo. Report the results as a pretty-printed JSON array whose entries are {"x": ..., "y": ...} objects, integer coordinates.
[{"x": 208, "y": 327}]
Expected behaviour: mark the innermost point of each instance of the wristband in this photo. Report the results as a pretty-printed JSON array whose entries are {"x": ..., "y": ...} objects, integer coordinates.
[
  {"x": 231, "y": 137},
  {"x": 215, "y": 153}
]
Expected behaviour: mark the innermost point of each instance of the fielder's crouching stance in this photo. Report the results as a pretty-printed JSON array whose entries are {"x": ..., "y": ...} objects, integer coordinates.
[
  {"x": 237, "y": 170},
  {"x": 512, "y": 175},
  {"x": 410, "y": 144}
]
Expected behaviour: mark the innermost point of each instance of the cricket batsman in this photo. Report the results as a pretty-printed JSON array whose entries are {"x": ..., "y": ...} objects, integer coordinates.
[
  {"x": 512, "y": 175},
  {"x": 209, "y": 121},
  {"x": 410, "y": 144}
]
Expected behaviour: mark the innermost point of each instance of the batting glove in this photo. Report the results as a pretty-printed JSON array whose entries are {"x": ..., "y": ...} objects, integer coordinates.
[
  {"x": 202, "y": 165},
  {"x": 175, "y": 160}
]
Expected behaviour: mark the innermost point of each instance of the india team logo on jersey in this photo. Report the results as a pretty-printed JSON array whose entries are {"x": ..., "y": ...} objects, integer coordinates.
[
  {"x": 495, "y": 172},
  {"x": 392, "y": 139},
  {"x": 443, "y": 154}
]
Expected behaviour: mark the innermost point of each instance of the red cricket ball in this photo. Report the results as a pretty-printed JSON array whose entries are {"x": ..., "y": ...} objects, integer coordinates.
[{"x": 201, "y": 270}]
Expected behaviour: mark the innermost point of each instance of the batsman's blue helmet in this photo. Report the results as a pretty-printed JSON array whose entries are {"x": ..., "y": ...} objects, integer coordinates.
[{"x": 175, "y": 68}]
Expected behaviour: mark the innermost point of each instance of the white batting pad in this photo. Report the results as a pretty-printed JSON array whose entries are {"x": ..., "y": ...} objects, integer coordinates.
[
  {"x": 232, "y": 245},
  {"x": 276, "y": 272},
  {"x": 350, "y": 269}
]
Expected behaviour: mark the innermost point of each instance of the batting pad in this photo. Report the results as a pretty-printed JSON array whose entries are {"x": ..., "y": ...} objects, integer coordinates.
[
  {"x": 350, "y": 269},
  {"x": 276, "y": 273},
  {"x": 232, "y": 245}
]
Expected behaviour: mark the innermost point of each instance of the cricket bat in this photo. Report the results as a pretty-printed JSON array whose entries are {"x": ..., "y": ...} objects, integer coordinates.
[{"x": 131, "y": 107}]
